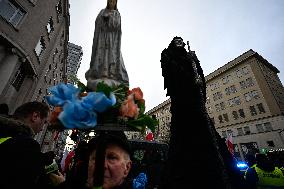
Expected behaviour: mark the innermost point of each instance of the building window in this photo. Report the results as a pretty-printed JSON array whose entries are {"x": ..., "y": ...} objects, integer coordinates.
[
  {"x": 217, "y": 96},
  {"x": 59, "y": 10},
  {"x": 252, "y": 110},
  {"x": 235, "y": 115},
  {"x": 19, "y": 78},
  {"x": 247, "y": 130},
  {"x": 270, "y": 143},
  {"x": 40, "y": 46},
  {"x": 242, "y": 113},
  {"x": 260, "y": 108},
  {"x": 230, "y": 132},
  {"x": 251, "y": 95},
  {"x": 267, "y": 126},
  {"x": 226, "y": 117},
  {"x": 224, "y": 134},
  {"x": 230, "y": 90},
  {"x": 220, "y": 119},
  {"x": 245, "y": 70},
  {"x": 11, "y": 11},
  {"x": 234, "y": 101},
  {"x": 49, "y": 26},
  {"x": 259, "y": 128},
  {"x": 226, "y": 79},
  {"x": 240, "y": 131}
]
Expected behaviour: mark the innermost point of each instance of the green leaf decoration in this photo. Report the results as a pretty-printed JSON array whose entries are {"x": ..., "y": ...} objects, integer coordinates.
[
  {"x": 141, "y": 106},
  {"x": 79, "y": 84},
  {"x": 142, "y": 121},
  {"x": 102, "y": 87}
]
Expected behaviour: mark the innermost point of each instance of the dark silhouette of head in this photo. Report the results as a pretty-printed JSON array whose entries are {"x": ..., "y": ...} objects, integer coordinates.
[{"x": 4, "y": 109}]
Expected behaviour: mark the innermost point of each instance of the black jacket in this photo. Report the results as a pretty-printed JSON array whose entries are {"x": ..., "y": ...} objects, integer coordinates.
[{"x": 21, "y": 159}]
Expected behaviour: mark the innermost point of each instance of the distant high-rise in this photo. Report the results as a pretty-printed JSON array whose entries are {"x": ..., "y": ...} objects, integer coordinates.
[
  {"x": 245, "y": 99},
  {"x": 74, "y": 58}
]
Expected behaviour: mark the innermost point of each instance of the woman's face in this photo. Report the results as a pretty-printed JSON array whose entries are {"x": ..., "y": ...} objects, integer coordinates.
[{"x": 112, "y": 4}]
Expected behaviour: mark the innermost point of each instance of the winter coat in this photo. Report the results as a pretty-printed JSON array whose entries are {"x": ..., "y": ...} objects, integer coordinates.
[{"x": 21, "y": 159}]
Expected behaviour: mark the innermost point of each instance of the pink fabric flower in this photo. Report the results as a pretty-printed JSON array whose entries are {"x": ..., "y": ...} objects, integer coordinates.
[
  {"x": 138, "y": 94},
  {"x": 129, "y": 108}
]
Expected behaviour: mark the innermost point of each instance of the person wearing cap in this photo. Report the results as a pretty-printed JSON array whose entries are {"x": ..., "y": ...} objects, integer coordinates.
[{"x": 117, "y": 163}]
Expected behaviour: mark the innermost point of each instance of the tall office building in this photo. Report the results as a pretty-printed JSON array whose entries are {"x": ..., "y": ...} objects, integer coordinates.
[
  {"x": 245, "y": 99},
  {"x": 74, "y": 58},
  {"x": 33, "y": 50}
]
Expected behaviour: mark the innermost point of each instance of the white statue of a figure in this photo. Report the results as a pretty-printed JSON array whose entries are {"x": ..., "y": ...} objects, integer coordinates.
[{"x": 106, "y": 63}]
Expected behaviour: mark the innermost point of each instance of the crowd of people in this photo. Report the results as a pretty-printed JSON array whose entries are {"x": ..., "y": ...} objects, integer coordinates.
[
  {"x": 24, "y": 165},
  {"x": 105, "y": 160}
]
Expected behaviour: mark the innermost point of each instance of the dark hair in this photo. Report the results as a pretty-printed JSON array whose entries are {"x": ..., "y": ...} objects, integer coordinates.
[
  {"x": 4, "y": 109},
  {"x": 115, "y": 7},
  {"x": 28, "y": 108}
]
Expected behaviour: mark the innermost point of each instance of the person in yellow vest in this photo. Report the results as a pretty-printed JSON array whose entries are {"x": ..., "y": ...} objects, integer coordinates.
[
  {"x": 263, "y": 174},
  {"x": 21, "y": 159}
]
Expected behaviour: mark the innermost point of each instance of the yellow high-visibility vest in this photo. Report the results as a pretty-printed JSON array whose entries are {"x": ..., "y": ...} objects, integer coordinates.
[
  {"x": 267, "y": 180},
  {"x": 4, "y": 139}
]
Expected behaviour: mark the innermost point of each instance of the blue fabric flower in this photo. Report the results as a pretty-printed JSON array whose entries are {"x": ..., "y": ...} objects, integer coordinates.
[
  {"x": 98, "y": 101},
  {"x": 74, "y": 115},
  {"x": 140, "y": 181},
  {"x": 62, "y": 93}
]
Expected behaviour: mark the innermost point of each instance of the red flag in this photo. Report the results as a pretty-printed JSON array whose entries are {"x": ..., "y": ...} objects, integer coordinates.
[
  {"x": 149, "y": 135},
  {"x": 230, "y": 144}
]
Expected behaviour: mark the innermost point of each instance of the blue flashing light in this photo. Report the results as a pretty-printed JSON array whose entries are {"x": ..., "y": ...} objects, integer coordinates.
[{"x": 242, "y": 165}]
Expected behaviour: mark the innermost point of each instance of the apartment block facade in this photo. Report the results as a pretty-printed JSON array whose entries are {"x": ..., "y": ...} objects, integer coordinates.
[
  {"x": 245, "y": 99},
  {"x": 33, "y": 50}
]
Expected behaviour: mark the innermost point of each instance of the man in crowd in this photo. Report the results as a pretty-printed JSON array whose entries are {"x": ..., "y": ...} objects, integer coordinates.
[
  {"x": 21, "y": 160},
  {"x": 109, "y": 164}
]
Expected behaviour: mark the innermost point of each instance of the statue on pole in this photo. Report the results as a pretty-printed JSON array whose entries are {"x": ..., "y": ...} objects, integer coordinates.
[
  {"x": 191, "y": 129},
  {"x": 106, "y": 62}
]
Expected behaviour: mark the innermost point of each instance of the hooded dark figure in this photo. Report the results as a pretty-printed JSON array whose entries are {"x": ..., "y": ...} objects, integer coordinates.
[{"x": 191, "y": 129}]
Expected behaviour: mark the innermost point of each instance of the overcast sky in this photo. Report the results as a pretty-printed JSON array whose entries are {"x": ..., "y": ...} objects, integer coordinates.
[{"x": 217, "y": 30}]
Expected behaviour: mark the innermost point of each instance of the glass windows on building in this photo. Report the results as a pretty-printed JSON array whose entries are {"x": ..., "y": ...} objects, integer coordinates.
[
  {"x": 270, "y": 143},
  {"x": 252, "y": 110},
  {"x": 230, "y": 132},
  {"x": 240, "y": 131},
  {"x": 226, "y": 79},
  {"x": 226, "y": 117},
  {"x": 267, "y": 126},
  {"x": 242, "y": 113},
  {"x": 50, "y": 26},
  {"x": 11, "y": 11},
  {"x": 234, "y": 101},
  {"x": 251, "y": 95},
  {"x": 59, "y": 10},
  {"x": 247, "y": 130},
  {"x": 19, "y": 78},
  {"x": 259, "y": 128},
  {"x": 260, "y": 108},
  {"x": 235, "y": 115},
  {"x": 217, "y": 96},
  {"x": 224, "y": 134},
  {"x": 220, "y": 106},
  {"x": 214, "y": 86},
  {"x": 247, "y": 83},
  {"x": 230, "y": 90},
  {"x": 40, "y": 47}
]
